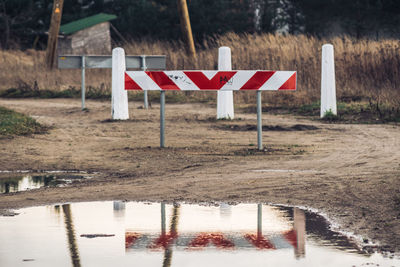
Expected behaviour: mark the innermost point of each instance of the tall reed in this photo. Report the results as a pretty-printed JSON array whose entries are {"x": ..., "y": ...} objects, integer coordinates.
[{"x": 365, "y": 69}]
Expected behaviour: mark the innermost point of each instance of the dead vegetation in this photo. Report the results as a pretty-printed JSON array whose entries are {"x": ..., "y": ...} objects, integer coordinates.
[{"x": 366, "y": 70}]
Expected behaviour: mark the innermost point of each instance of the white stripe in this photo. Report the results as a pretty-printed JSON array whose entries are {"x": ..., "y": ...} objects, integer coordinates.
[
  {"x": 143, "y": 80},
  {"x": 277, "y": 80},
  {"x": 280, "y": 242},
  {"x": 210, "y": 73},
  {"x": 181, "y": 80},
  {"x": 238, "y": 80}
]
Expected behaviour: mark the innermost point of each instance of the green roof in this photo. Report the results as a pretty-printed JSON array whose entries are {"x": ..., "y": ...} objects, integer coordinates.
[{"x": 84, "y": 23}]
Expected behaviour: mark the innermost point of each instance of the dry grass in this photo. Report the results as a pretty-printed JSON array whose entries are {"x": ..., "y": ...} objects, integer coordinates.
[
  {"x": 26, "y": 69},
  {"x": 365, "y": 69}
]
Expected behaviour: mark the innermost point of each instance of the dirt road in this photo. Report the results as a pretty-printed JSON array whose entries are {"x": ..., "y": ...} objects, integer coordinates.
[{"x": 350, "y": 172}]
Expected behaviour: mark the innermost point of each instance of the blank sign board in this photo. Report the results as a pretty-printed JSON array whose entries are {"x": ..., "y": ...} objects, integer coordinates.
[
  {"x": 105, "y": 62},
  {"x": 69, "y": 62}
]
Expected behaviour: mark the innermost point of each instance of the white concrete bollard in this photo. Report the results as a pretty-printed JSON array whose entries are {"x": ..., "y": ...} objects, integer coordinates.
[
  {"x": 119, "y": 96},
  {"x": 328, "y": 85},
  {"x": 225, "y": 98}
]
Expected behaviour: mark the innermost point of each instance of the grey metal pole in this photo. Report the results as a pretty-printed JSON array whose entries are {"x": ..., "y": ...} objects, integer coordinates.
[
  {"x": 83, "y": 83},
  {"x": 259, "y": 220},
  {"x": 144, "y": 68},
  {"x": 162, "y": 118},
  {"x": 259, "y": 121},
  {"x": 146, "y": 101},
  {"x": 163, "y": 224}
]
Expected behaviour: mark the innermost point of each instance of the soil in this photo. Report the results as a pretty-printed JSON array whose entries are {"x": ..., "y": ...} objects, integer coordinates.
[{"x": 351, "y": 172}]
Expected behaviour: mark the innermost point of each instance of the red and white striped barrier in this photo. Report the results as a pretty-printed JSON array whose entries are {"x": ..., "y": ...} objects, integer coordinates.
[
  {"x": 280, "y": 240},
  {"x": 211, "y": 80}
]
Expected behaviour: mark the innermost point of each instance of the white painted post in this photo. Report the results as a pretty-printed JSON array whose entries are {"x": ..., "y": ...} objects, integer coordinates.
[
  {"x": 328, "y": 86},
  {"x": 225, "y": 98},
  {"x": 119, "y": 96}
]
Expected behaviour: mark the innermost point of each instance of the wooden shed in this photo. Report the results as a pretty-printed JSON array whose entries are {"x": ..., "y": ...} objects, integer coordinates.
[{"x": 86, "y": 36}]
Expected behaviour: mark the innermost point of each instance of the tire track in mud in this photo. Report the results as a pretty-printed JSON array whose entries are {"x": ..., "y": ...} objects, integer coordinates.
[{"x": 362, "y": 147}]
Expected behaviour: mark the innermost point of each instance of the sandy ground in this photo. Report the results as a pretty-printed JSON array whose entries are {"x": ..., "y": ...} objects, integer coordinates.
[{"x": 350, "y": 172}]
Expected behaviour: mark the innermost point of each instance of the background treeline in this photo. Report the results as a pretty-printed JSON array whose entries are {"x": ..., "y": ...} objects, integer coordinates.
[{"x": 23, "y": 23}]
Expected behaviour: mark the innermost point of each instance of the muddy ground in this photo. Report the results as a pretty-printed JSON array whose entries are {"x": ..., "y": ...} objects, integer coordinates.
[{"x": 350, "y": 172}]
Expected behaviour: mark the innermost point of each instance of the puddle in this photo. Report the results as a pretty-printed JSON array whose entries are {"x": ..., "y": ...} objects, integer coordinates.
[
  {"x": 34, "y": 181},
  {"x": 157, "y": 234}
]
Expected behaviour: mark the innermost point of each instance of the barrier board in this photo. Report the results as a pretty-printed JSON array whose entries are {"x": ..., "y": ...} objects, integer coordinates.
[{"x": 211, "y": 80}]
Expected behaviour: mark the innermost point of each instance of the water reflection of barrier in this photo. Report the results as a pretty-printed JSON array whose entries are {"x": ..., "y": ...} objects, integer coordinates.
[
  {"x": 294, "y": 238},
  {"x": 66, "y": 228},
  {"x": 300, "y": 231}
]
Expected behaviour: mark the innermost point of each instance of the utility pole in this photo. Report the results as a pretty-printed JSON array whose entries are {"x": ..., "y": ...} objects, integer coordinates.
[
  {"x": 53, "y": 33},
  {"x": 186, "y": 29}
]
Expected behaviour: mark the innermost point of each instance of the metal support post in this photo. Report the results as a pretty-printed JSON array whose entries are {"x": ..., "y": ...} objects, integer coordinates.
[
  {"x": 144, "y": 68},
  {"x": 259, "y": 121},
  {"x": 83, "y": 93},
  {"x": 259, "y": 220},
  {"x": 163, "y": 224},
  {"x": 146, "y": 101},
  {"x": 162, "y": 118}
]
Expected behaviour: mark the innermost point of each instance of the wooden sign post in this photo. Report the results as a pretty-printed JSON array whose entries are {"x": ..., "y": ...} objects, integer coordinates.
[
  {"x": 53, "y": 33},
  {"x": 186, "y": 28}
]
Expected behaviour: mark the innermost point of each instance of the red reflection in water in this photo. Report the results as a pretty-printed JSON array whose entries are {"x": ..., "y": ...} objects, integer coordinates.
[
  {"x": 217, "y": 239},
  {"x": 130, "y": 239},
  {"x": 291, "y": 237},
  {"x": 259, "y": 241},
  {"x": 164, "y": 241}
]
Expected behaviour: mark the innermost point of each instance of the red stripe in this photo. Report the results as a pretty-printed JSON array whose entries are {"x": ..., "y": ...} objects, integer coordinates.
[
  {"x": 130, "y": 239},
  {"x": 257, "y": 80},
  {"x": 162, "y": 80},
  {"x": 290, "y": 84},
  {"x": 259, "y": 241},
  {"x": 130, "y": 84},
  {"x": 164, "y": 241},
  {"x": 216, "y": 83},
  {"x": 291, "y": 237},
  {"x": 203, "y": 239}
]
